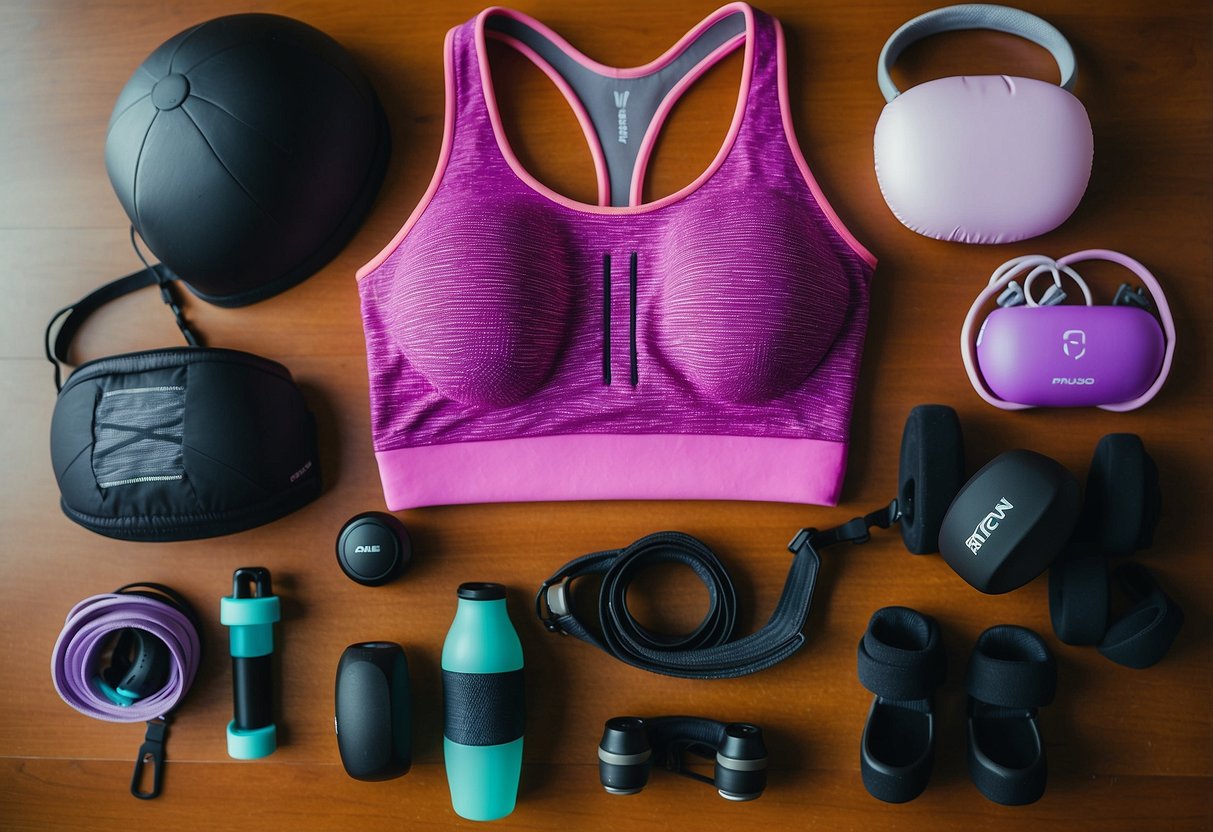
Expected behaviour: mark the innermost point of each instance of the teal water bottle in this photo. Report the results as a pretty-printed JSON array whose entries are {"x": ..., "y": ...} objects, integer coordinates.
[{"x": 484, "y": 713}]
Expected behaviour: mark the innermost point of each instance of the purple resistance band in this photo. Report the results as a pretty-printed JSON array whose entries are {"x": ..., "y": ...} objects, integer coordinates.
[{"x": 74, "y": 663}]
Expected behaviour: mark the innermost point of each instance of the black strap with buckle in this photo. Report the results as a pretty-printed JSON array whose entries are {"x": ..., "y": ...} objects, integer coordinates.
[
  {"x": 75, "y": 314},
  {"x": 710, "y": 650}
]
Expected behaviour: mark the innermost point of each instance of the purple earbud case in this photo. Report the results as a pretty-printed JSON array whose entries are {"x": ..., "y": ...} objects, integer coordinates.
[{"x": 1069, "y": 356}]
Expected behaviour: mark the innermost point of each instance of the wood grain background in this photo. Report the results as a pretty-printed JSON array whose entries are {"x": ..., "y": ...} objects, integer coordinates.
[{"x": 1128, "y": 750}]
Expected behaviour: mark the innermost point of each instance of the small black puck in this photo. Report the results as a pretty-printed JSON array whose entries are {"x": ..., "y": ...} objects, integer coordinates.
[{"x": 373, "y": 548}]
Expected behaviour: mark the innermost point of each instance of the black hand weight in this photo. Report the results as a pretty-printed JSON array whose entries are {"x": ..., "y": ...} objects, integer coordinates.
[
  {"x": 630, "y": 745},
  {"x": 374, "y": 711}
]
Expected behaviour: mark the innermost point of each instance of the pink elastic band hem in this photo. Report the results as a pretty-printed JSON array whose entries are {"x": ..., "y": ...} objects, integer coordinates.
[{"x": 615, "y": 467}]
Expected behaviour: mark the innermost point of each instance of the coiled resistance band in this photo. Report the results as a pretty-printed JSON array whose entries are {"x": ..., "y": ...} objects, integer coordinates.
[
  {"x": 709, "y": 651},
  {"x": 90, "y": 626}
]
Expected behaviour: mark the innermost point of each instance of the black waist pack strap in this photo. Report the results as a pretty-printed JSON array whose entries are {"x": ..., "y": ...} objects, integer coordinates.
[{"x": 74, "y": 315}]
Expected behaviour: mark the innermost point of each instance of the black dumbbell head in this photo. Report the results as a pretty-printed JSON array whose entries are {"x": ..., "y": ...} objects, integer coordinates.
[
  {"x": 741, "y": 763},
  {"x": 624, "y": 755}
]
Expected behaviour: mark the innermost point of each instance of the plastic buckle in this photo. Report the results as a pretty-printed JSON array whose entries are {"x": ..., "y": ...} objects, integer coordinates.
[
  {"x": 1012, "y": 296},
  {"x": 1128, "y": 296},
  {"x": 887, "y": 516},
  {"x": 549, "y": 605},
  {"x": 800, "y": 539},
  {"x": 166, "y": 295},
  {"x": 152, "y": 751},
  {"x": 856, "y": 530}
]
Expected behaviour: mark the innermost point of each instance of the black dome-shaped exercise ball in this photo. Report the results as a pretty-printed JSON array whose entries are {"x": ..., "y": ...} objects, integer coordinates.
[{"x": 246, "y": 152}]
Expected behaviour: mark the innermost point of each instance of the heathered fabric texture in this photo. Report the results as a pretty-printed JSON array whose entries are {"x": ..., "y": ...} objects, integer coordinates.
[{"x": 487, "y": 320}]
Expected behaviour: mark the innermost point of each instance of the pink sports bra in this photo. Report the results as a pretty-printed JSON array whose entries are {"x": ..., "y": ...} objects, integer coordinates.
[{"x": 706, "y": 345}]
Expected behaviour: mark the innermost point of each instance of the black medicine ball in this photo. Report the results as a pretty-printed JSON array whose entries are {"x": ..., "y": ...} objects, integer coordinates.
[{"x": 246, "y": 152}]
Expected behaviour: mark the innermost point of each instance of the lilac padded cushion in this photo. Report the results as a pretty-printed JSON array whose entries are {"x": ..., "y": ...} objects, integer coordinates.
[{"x": 983, "y": 159}]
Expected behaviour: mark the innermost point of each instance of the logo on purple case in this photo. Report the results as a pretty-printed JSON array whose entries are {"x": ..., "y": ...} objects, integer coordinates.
[{"x": 1074, "y": 343}]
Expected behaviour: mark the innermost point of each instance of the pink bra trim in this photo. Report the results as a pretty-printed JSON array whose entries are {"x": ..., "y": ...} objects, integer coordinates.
[
  {"x": 614, "y": 467},
  {"x": 652, "y": 66},
  {"x": 448, "y": 133},
  {"x": 650, "y": 135},
  {"x": 583, "y": 118},
  {"x": 444, "y": 156},
  {"x": 490, "y": 99},
  {"x": 789, "y": 131}
]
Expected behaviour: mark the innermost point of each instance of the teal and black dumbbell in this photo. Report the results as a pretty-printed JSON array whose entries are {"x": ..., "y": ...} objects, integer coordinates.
[{"x": 250, "y": 612}]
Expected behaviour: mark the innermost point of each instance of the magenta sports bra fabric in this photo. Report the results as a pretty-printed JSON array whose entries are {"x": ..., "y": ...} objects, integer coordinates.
[{"x": 706, "y": 345}]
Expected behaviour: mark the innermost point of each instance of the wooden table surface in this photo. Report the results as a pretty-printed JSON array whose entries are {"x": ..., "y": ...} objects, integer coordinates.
[{"x": 1128, "y": 750}]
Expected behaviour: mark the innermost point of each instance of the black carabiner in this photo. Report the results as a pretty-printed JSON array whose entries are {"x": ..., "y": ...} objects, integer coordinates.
[{"x": 152, "y": 751}]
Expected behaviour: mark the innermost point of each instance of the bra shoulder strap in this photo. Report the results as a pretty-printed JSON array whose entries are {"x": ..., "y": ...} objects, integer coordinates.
[{"x": 620, "y": 110}]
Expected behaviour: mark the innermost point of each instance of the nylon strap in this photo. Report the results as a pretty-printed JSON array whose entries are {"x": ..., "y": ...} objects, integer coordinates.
[
  {"x": 1078, "y": 597},
  {"x": 1012, "y": 667},
  {"x": 901, "y": 656},
  {"x": 709, "y": 651},
  {"x": 75, "y": 314},
  {"x": 1146, "y": 632}
]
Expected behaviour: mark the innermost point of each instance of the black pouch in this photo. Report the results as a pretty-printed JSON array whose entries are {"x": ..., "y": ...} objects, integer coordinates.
[{"x": 178, "y": 443}]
